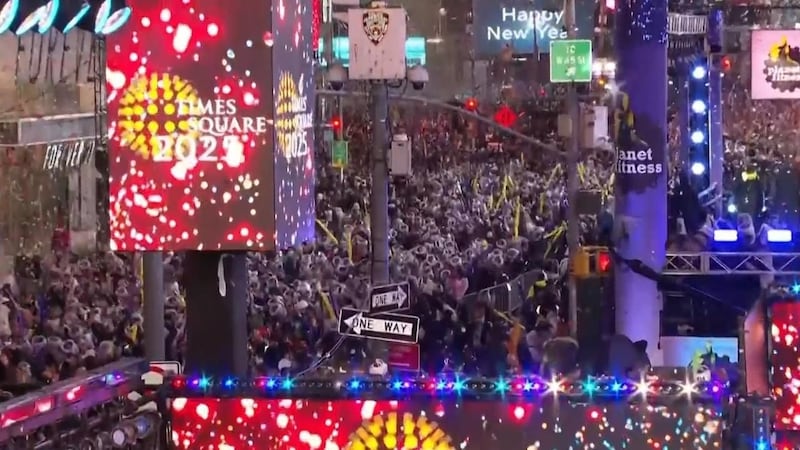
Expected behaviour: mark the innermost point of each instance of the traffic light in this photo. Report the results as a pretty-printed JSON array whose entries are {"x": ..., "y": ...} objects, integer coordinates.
[
  {"x": 336, "y": 124},
  {"x": 591, "y": 262},
  {"x": 471, "y": 104}
]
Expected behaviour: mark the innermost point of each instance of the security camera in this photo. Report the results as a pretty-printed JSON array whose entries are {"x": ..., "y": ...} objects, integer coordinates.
[
  {"x": 337, "y": 76},
  {"x": 417, "y": 76}
]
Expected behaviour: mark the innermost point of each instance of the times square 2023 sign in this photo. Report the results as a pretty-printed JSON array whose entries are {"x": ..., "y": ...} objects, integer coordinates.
[
  {"x": 210, "y": 107},
  {"x": 525, "y": 26}
]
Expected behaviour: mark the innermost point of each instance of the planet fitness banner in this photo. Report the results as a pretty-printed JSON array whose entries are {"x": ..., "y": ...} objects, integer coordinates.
[
  {"x": 525, "y": 28},
  {"x": 775, "y": 64}
]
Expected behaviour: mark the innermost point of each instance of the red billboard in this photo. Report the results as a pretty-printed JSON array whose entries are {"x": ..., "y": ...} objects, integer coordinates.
[
  {"x": 273, "y": 424},
  {"x": 210, "y": 107},
  {"x": 784, "y": 364}
]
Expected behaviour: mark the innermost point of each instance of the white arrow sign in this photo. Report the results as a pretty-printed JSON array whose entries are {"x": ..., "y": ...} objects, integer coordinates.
[
  {"x": 395, "y": 297},
  {"x": 359, "y": 323}
]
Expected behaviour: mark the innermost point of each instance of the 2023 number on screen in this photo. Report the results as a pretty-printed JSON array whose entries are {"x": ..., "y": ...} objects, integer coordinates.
[{"x": 182, "y": 148}]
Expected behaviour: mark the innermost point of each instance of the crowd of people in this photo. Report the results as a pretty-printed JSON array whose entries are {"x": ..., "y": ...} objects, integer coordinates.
[{"x": 469, "y": 218}]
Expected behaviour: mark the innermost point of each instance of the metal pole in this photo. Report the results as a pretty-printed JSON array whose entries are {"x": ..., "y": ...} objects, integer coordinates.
[
  {"x": 379, "y": 196},
  {"x": 573, "y": 184},
  {"x": 379, "y": 200},
  {"x": 153, "y": 305}
]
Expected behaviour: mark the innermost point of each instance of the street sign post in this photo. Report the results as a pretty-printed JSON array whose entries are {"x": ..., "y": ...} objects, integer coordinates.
[
  {"x": 340, "y": 154},
  {"x": 382, "y": 326},
  {"x": 390, "y": 297},
  {"x": 571, "y": 61}
]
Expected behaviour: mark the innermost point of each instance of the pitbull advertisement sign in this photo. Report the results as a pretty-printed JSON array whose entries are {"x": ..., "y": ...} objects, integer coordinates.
[{"x": 775, "y": 64}]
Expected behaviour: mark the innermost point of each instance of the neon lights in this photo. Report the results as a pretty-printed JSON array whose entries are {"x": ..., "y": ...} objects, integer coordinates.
[
  {"x": 21, "y": 17},
  {"x": 8, "y": 14},
  {"x": 48, "y": 14},
  {"x": 80, "y": 15}
]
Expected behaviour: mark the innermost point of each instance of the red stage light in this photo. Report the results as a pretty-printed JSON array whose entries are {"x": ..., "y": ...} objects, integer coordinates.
[{"x": 471, "y": 104}]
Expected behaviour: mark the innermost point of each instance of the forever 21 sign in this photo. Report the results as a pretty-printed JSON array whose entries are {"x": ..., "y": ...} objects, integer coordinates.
[{"x": 68, "y": 155}]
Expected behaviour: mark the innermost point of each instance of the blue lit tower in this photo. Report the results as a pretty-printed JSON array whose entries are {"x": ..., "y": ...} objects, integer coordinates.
[
  {"x": 716, "y": 142},
  {"x": 642, "y": 166}
]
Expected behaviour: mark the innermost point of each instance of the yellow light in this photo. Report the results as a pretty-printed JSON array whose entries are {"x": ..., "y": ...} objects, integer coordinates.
[
  {"x": 390, "y": 441},
  {"x": 410, "y": 442},
  {"x": 643, "y": 388},
  {"x": 554, "y": 386}
]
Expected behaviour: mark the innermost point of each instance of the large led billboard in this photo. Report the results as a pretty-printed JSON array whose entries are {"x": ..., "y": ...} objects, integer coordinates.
[
  {"x": 784, "y": 364},
  {"x": 293, "y": 91},
  {"x": 524, "y": 26},
  {"x": 775, "y": 64},
  {"x": 286, "y": 424},
  {"x": 210, "y": 106}
]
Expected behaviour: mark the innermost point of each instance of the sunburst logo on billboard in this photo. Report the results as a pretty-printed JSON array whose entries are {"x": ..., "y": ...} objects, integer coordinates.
[
  {"x": 391, "y": 431},
  {"x": 158, "y": 105},
  {"x": 292, "y": 118}
]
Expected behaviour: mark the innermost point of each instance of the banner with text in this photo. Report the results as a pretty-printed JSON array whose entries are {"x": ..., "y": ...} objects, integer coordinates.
[
  {"x": 775, "y": 64},
  {"x": 525, "y": 27}
]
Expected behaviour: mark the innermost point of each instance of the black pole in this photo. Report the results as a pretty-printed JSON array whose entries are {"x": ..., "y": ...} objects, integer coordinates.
[{"x": 216, "y": 313}]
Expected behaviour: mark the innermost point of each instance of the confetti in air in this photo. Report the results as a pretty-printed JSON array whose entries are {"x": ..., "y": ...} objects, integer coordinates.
[{"x": 784, "y": 364}]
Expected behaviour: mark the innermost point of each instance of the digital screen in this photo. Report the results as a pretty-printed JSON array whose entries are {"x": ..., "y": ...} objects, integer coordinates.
[
  {"x": 775, "y": 64},
  {"x": 293, "y": 91},
  {"x": 415, "y": 51},
  {"x": 263, "y": 424},
  {"x": 784, "y": 364},
  {"x": 190, "y": 112},
  {"x": 523, "y": 27}
]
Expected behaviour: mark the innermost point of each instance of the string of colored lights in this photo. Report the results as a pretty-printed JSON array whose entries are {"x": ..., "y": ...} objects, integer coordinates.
[{"x": 448, "y": 385}]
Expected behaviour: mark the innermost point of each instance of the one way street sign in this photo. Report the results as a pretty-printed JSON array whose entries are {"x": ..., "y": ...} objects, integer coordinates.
[
  {"x": 390, "y": 297},
  {"x": 382, "y": 326}
]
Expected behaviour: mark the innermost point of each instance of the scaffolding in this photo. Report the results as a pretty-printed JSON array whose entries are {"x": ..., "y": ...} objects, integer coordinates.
[
  {"x": 101, "y": 159},
  {"x": 732, "y": 263}
]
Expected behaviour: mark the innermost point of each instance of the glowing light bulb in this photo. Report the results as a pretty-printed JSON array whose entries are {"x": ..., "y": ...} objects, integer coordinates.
[
  {"x": 699, "y": 107},
  {"x": 699, "y": 72},
  {"x": 698, "y": 168},
  {"x": 698, "y": 137}
]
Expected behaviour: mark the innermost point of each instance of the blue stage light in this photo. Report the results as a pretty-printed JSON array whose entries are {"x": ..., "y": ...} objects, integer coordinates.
[
  {"x": 779, "y": 236},
  {"x": 31, "y": 13},
  {"x": 112, "y": 15},
  {"x": 699, "y": 107},
  {"x": 7, "y": 14},
  {"x": 589, "y": 386},
  {"x": 501, "y": 386},
  {"x": 48, "y": 15},
  {"x": 698, "y": 137},
  {"x": 354, "y": 385},
  {"x": 74, "y": 13},
  {"x": 732, "y": 209},
  {"x": 726, "y": 235},
  {"x": 698, "y": 168},
  {"x": 795, "y": 288},
  {"x": 699, "y": 72},
  {"x": 229, "y": 383}
]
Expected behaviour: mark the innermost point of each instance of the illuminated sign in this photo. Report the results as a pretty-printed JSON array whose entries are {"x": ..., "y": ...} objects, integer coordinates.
[
  {"x": 415, "y": 51},
  {"x": 293, "y": 94},
  {"x": 775, "y": 64},
  {"x": 442, "y": 424},
  {"x": 525, "y": 29},
  {"x": 68, "y": 155},
  {"x": 190, "y": 107}
]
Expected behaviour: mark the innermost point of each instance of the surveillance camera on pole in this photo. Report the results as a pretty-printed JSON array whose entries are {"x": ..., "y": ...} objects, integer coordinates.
[
  {"x": 337, "y": 76},
  {"x": 418, "y": 76}
]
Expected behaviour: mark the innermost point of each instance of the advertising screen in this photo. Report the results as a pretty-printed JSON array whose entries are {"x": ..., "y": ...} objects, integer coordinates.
[
  {"x": 775, "y": 64},
  {"x": 293, "y": 91},
  {"x": 523, "y": 27},
  {"x": 440, "y": 425},
  {"x": 415, "y": 51},
  {"x": 190, "y": 113},
  {"x": 784, "y": 364}
]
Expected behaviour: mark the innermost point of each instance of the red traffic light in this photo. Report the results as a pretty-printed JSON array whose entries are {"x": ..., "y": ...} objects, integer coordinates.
[
  {"x": 336, "y": 123},
  {"x": 603, "y": 262},
  {"x": 505, "y": 116},
  {"x": 725, "y": 64},
  {"x": 471, "y": 104}
]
